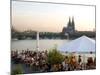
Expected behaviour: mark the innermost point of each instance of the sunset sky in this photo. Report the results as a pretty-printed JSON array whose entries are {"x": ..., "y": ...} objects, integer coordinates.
[{"x": 51, "y": 17}]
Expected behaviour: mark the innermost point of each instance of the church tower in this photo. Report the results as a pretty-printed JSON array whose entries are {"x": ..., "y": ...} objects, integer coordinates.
[
  {"x": 70, "y": 29},
  {"x": 69, "y": 23},
  {"x": 73, "y": 24}
]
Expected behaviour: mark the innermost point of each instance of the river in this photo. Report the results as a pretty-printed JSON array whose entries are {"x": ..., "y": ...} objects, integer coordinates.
[{"x": 31, "y": 44}]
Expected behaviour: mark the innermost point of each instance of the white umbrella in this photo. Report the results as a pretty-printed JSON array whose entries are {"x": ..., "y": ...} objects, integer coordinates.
[{"x": 82, "y": 44}]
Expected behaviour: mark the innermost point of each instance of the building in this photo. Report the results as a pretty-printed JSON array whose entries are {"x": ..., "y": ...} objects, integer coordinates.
[{"x": 70, "y": 28}]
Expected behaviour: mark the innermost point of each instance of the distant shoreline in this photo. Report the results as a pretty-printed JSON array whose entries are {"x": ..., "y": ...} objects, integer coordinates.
[{"x": 15, "y": 39}]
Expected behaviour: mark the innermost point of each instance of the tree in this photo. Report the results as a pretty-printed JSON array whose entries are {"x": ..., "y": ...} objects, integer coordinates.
[{"x": 54, "y": 57}]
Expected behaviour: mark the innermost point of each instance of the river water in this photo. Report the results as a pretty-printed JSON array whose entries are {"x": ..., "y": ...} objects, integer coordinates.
[{"x": 31, "y": 44}]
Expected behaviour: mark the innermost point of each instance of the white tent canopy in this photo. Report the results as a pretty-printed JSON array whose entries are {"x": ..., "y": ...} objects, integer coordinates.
[{"x": 82, "y": 44}]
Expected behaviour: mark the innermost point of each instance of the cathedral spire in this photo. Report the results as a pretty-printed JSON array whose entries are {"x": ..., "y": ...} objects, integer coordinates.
[
  {"x": 73, "y": 23},
  {"x": 69, "y": 23},
  {"x": 72, "y": 20}
]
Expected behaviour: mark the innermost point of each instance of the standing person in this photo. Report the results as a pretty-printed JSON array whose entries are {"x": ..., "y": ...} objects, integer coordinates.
[
  {"x": 65, "y": 64},
  {"x": 90, "y": 63},
  {"x": 73, "y": 63},
  {"x": 79, "y": 59},
  {"x": 79, "y": 63}
]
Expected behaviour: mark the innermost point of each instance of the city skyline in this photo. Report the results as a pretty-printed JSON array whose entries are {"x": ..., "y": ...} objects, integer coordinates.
[{"x": 51, "y": 17}]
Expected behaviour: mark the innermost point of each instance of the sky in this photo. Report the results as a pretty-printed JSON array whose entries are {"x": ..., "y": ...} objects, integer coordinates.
[{"x": 47, "y": 17}]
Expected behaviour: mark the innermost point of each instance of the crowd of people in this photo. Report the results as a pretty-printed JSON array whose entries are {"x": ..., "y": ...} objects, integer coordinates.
[{"x": 38, "y": 61}]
